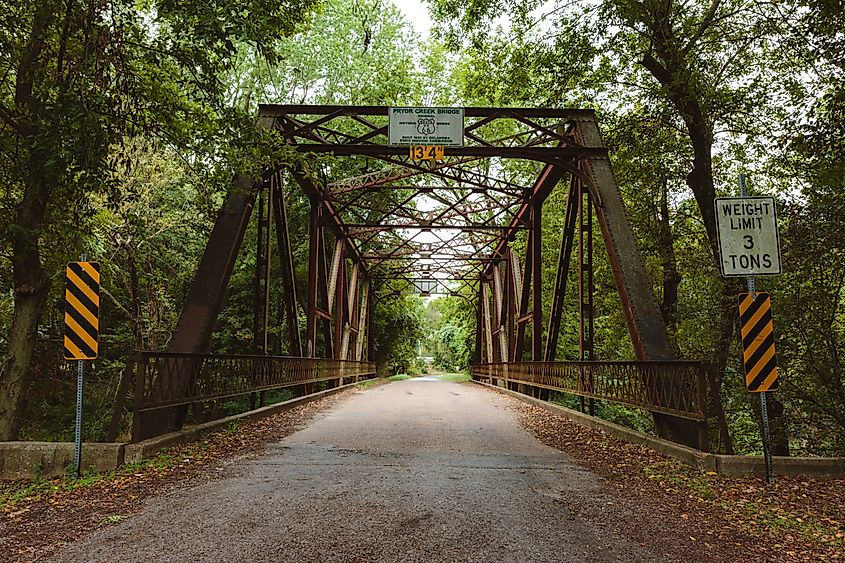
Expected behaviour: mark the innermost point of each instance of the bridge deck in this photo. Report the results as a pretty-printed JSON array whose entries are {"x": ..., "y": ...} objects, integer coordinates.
[{"x": 419, "y": 470}]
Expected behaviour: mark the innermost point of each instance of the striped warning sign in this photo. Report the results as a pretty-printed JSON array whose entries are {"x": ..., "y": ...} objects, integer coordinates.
[
  {"x": 758, "y": 342},
  {"x": 82, "y": 310}
]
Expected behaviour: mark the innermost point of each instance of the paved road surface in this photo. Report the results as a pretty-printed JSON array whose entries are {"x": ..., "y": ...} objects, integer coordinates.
[{"x": 417, "y": 470}]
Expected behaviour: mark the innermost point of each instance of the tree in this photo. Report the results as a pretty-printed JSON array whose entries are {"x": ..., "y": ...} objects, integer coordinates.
[
  {"x": 396, "y": 330},
  {"x": 450, "y": 324},
  {"x": 811, "y": 346},
  {"x": 354, "y": 52},
  {"x": 77, "y": 79},
  {"x": 697, "y": 59}
]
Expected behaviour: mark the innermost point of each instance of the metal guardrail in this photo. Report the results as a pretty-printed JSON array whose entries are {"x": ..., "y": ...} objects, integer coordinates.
[
  {"x": 671, "y": 387},
  {"x": 218, "y": 376}
]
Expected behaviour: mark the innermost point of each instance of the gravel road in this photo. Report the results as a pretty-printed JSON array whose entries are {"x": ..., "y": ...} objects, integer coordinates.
[{"x": 417, "y": 470}]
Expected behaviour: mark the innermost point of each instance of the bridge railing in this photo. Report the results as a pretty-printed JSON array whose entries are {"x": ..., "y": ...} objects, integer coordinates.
[
  {"x": 671, "y": 387},
  {"x": 217, "y": 376}
]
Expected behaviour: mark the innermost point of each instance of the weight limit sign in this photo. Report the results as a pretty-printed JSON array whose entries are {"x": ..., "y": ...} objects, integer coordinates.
[{"x": 748, "y": 236}]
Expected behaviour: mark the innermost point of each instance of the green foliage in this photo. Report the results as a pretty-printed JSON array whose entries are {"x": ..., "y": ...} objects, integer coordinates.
[
  {"x": 809, "y": 300},
  {"x": 367, "y": 383},
  {"x": 397, "y": 330},
  {"x": 691, "y": 93},
  {"x": 450, "y": 329},
  {"x": 121, "y": 124},
  {"x": 354, "y": 52},
  {"x": 626, "y": 416},
  {"x": 78, "y": 84}
]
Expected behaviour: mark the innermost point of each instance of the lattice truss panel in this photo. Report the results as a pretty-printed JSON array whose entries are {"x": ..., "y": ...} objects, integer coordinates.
[{"x": 432, "y": 224}]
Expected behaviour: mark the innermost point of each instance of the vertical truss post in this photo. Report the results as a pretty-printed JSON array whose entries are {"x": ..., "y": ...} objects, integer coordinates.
[
  {"x": 482, "y": 322},
  {"x": 522, "y": 281},
  {"x": 499, "y": 314},
  {"x": 363, "y": 320},
  {"x": 267, "y": 263},
  {"x": 510, "y": 302},
  {"x": 586, "y": 347},
  {"x": 515, "y": 279},
  {"x": 351, "y": 324},
  {"x": 371, "y": 307},
  {"x": 536, "y": 250},
  {"x": 314, "y": 242},
  {"x": 488, "y": 328},
  {"x": 355, "y": 309},
  {"x": 339, "y": 286},
  {"x": 337, "y": 262},
  {"x": 562, "y": 271},
  {"x": 477, "y": 355},
  {"x": 257, "y": 294},
  {"x": 259, "y": 320},
  {"x": 506, "y": 308},
  {"x": 326, "y": 297},
  {"x": 286, "y": 263},
  {"x": 486, "y": 356}
]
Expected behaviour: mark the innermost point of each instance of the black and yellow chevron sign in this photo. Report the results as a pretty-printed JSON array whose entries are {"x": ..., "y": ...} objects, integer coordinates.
[
  {"x": 82, "y": 310},
  {"x": 758, "y": 342}
]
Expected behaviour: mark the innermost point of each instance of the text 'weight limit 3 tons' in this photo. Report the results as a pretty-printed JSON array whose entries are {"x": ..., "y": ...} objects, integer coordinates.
[{"x": 748, "y": 236}]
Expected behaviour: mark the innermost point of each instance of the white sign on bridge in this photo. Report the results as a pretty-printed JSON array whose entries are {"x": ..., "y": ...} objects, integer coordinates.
[
  {"x": 426, "y": 126},
  {"x": 748, "y": 236}
]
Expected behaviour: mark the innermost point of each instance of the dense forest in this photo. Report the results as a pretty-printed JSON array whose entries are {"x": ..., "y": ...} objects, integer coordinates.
[{"x": 122, "y": 124}]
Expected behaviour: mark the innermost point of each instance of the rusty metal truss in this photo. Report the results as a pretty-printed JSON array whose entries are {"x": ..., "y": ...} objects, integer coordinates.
[
  {"x": 470, "y": 224},
  {"x": 221, "y": 376},
  {"x": 636, "y": 384}
]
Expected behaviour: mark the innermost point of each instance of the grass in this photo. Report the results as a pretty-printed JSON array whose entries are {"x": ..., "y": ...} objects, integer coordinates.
[
  {"x": 399, "y": 377},
  {"x": 455, "y": 377},
  {"x": 367, "y": 383}
]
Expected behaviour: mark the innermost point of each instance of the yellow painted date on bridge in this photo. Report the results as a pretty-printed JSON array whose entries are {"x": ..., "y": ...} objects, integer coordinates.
[{"x": 426, "y": 152}]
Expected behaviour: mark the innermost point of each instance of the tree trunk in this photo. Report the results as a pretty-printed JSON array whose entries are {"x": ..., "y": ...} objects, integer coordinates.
[
  {"x": 32, "y": 287},
  {"x": 715, "y": 378},
  {"x": 668, "y": 262},
  {"x": 128, "y": 373},
  {"x": 15, "y": 372},
  {"x": 670, "y": 68}
]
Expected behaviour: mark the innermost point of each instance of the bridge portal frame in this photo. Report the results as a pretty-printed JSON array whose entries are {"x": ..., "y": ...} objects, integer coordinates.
[{"x": 565, "y": 143}]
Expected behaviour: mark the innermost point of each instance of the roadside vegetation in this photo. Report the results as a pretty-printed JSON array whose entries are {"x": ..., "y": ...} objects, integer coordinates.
[{"x": 122, "y": 124}]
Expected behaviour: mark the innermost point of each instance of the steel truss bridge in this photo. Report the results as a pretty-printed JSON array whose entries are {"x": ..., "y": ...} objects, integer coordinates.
[{"x": 470, "y": 224}]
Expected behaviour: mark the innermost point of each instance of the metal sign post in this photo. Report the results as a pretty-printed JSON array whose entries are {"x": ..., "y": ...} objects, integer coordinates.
[
  {"x": 77, "y": 445},
  {"x": 749, "y": 246},
  {"x": 764, "y": 412},
  {"x": 82, "y": 326}
]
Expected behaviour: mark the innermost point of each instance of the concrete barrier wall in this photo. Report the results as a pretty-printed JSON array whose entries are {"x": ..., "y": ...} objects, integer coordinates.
[
  {"x": 732, "y": 465},
  {"x": 30, "y": 460}
]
